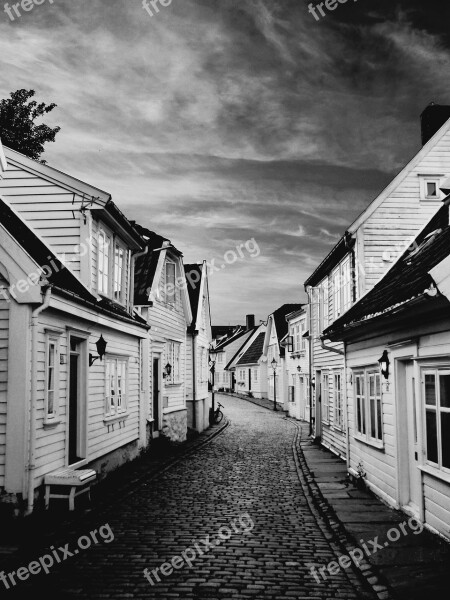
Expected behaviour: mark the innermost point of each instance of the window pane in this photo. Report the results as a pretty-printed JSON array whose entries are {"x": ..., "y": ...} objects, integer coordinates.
[
  {"x": 379, "y": 419},
  {"x": 431, "y": 188},
  {"x": 432, "y": 447},
  {"x": 444, "y": 387},
  {"x": 51, "y": 397},
  {"x": 445, "y": 433},
  {"x": 430, "y": 389},
  {"x": 373, "y": 432}
]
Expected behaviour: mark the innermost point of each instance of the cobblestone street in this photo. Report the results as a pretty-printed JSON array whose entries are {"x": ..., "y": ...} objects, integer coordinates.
[{"x": 247, "y": 470}]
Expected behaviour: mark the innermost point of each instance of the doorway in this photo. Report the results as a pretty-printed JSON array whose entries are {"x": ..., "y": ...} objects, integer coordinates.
[
  {"x": 411, "y": 480},
  {"x": 77, "y": 403},
  {"x": 249, "y": 380},
  {"x": 156, "y": 395}
]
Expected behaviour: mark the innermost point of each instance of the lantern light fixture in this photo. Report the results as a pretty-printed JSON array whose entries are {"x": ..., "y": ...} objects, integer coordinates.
[
  {"x": 384, "y": 363},
  {"x": 101, "y": 344}
]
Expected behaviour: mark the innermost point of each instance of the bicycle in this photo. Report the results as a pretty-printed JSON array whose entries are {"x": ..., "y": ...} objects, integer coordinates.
[{"x": 218, "y": 414}]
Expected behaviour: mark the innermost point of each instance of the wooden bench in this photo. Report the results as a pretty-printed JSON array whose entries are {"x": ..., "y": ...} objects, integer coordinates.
[{"x": 77, "y": 482}]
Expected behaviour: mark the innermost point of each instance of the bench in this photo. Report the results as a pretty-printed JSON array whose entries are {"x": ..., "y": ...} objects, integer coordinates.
[{"x": 77, "y": 482}]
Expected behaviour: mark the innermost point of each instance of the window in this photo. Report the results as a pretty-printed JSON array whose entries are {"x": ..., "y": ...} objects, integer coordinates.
[
  {"x": 342, "y": 289},
  {"x": 119, "y": 270},
  {"x": 255, "y": 375},
  {"x": 338, "y": 404},
  {"x": 432, "y": 189},
  {"x": 104, "y": 244},
  {"x": 220, "y": 358},
  {"x": 170, "y": 290},
  {"x": 436, "y": 394},
  {"x": 369, "y": 409},
  {"x": 51, "y": 379},
  {"x": 116, "y": 375},
  {"x": 325, "y": 398},
  {"x": 291, "y": 393},
  {"x": 298, "y": 342},
  {"x": 324, "y": 302},
  {"x": 302, "y": 333},
  {"x": 174, "y": 359}
]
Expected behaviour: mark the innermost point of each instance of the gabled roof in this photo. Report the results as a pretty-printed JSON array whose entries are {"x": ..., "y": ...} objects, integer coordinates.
[
  {"x": 146, "y": 265},
  {"x": 279, "y": 317},
  {"x": 57, "y": 274},
  {"x": 337, "y": 252},
  {"x": 194, "y": 288},
  {"x": 407, "y": 281},
  {"x": 222, "y": 330},
  {"x": 230, "y": 340},
  {"x": 254, "y": 352}
]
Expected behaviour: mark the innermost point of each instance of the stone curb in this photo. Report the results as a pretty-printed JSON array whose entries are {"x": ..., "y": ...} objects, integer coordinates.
[{"x": 328, "y": 521}]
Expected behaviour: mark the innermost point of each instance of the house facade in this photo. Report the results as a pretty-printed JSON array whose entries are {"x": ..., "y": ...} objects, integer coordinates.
[
  {"x": 225, "y": 352},
  {"x": 274, "y": 350},
  {"x": 199, "y": 342},
  {"x": 250, "y": 366},
  {"x": 66, "y": 254},
  {"x": 162, "y": 300},
  {"x": 368, "y": 249},
  {"x": 397, "y": 345},
  {"x": 297, "y": 365}
]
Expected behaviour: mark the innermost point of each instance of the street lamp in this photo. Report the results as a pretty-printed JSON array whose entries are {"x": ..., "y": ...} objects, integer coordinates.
[
  {"x": 274, "y": 365},
  {"x": 212, "y": 365}
]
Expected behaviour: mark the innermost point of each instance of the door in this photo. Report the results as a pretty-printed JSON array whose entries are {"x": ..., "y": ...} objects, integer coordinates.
[
  {"x": 415, "y": 480},
  {"x": 249, "y": 380},
  {"x": 156, "y": 394},
  {"x": 74, "y": 406}
]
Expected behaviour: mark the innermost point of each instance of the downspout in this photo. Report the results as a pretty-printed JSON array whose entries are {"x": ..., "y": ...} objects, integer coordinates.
[
  {"x": 34, "y": 378},
  {"x": 330, "y": 348},
  {"x": 311, "y": 364},
  {"x": 194, "y": 379}
]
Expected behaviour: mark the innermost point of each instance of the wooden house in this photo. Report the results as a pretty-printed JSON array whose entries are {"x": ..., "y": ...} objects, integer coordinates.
[
  {"x": 161, "y": 298},
  {"x": 199, "y": 342},
  {"x": 249, "y": 366},
  {"x": 397, "y": 342},
  {"x": 71, "y": 345},
  {"x": 274, "y": 350},
  {"x": 367, "y": 250},
  {"x": 297, "y": 365}
]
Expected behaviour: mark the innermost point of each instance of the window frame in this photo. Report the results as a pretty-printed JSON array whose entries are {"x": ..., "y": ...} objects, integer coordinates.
[
  {"x": 434, "y": 179},
  {"x": 113, "y": 409},
  {"x": 438, "y": 410},
  {"x": 338, "y": 400},
  {"x": 101, "y": 274},
  {"x": 123, "y": 291},
  {"x": 170, "y": 298},
  {"x": 363, "y": 403},
  {"x": 325, "y": 414},
  {"x": 52, "y": 339},
  {"x": 173, "y": 357}
]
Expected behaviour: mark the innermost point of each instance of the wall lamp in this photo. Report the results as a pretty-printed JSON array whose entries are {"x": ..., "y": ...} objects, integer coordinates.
[
  {"x": 167, "y": 370},
  {"x": 384, "y": 364},
  {"x": 101, "y": 349}
]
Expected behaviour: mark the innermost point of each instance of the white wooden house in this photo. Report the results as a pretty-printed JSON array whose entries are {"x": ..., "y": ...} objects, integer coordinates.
[
  {"x": 224, "y": 354},
  {"x": 162, "y": 299},
  {"x": 297, "y": 365},
  {"x": 250, "y": 365},
  {"x": 66, "y": 254},
  {"x": 367, "y": 250},
  {"x": 397, "y": 340},
  {"x": 199, "y": 342},
  {"x": 274, "y": 350}
]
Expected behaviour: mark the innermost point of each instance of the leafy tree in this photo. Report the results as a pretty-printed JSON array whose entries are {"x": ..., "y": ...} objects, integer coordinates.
[{"x": 17, "y": 124}]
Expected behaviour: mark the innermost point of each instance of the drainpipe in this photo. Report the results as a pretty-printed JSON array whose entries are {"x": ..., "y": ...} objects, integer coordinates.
[
  {"x": 311, "y": 364},
  {"x": 34, "y": 378},
  {"x": 330, "y": 348}
]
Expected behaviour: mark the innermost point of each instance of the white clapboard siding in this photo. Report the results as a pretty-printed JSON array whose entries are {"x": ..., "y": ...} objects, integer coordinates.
[
  {"x": 51, "y": 444},
  {"x": 48, "y": 210},
  {"x": 4, "y": 335}
]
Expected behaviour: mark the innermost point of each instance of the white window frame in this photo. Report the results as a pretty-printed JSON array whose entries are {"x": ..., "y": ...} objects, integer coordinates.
[
  {"x": 52, "y": 341},
  {"x": 424, "y": 181},
  {"x": 325, "y": 388},
  {"x": 116, "y": 404},
  {"x": 338, "y": 400},
  {"x": 438, "y": 410},
  {"x": 119, "y": 291},
  {"x": 104, "y": 241},
  {"x": 324, "y": 296},
  {"x": 170, "y": 298},
  {"x": 363, "y": 405},
  {"x": 342, "y": 288}
]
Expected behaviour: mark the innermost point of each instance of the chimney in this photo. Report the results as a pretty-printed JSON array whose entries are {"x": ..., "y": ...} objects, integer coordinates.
[
  {"x": 250, "y": 321},
  {"x": 432, "y": 119}
]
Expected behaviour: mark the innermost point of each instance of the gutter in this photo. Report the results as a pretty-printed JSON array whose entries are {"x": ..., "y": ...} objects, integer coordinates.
[
  {"x": 330, "y": 348},
  {"x": 33, "y": 401}
]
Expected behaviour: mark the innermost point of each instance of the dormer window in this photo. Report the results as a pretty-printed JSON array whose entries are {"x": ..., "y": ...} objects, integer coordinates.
[
  {"x": 111, "y": 267},
  {"x": 119, "y": 270}
]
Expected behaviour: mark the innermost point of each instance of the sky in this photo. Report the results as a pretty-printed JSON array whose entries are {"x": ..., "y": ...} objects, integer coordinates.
[{"x": 225, "y": 124}]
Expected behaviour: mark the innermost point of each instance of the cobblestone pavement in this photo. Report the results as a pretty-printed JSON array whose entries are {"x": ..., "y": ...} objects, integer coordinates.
[{"x": 245, "y": 482}]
